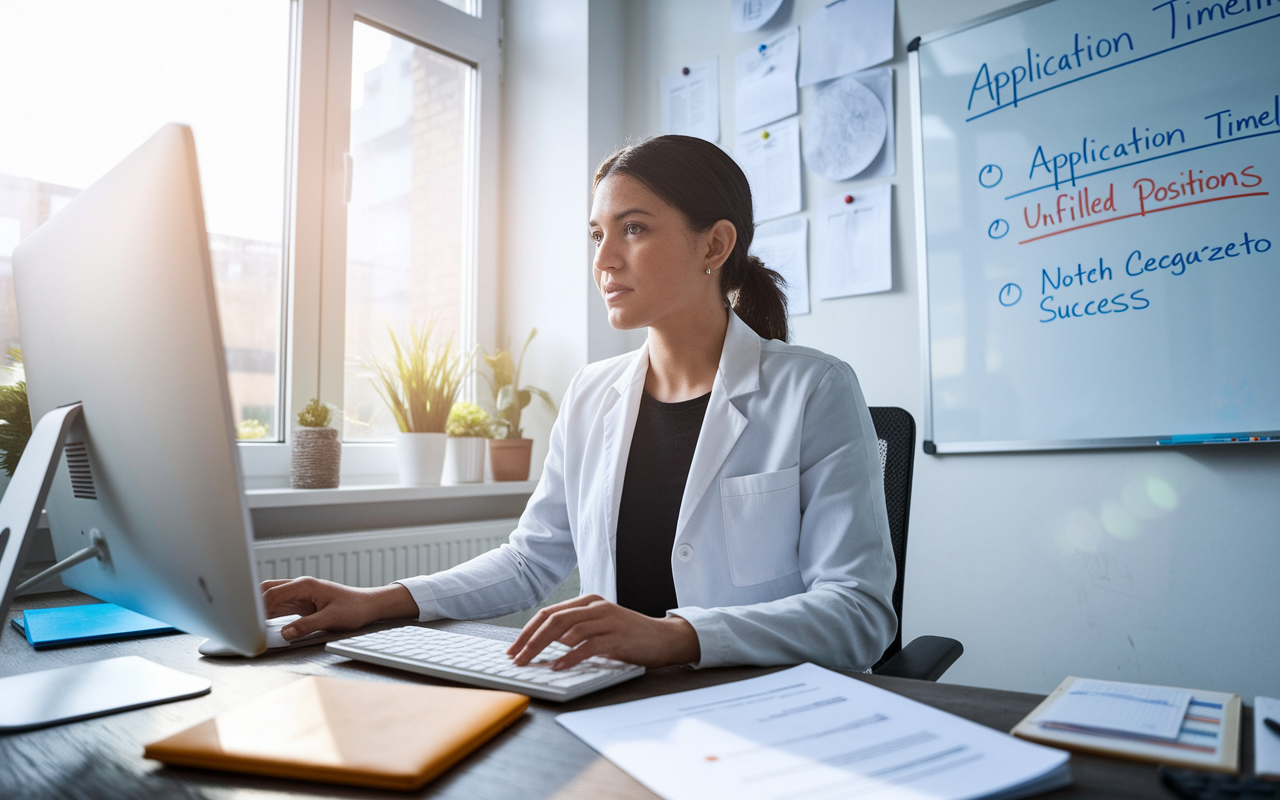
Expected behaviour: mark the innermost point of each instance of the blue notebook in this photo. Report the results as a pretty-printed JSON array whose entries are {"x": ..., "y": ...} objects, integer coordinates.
[{"x": 46, "y": 627}]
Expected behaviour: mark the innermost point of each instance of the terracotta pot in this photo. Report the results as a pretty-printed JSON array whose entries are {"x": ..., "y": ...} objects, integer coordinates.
[
  {"x": 464, "y": 460},
  {"x": 509, "y": 459},
  {"x": 420, "y": 457},
  {"x": 315, "y": 458}
]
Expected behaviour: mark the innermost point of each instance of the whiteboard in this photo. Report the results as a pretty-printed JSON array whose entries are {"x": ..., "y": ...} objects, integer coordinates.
[{"x": 1098, "y": 223}]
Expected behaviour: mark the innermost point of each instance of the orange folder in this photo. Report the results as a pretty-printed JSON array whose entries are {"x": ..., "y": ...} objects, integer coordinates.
[{"x": 362, "y": 733}]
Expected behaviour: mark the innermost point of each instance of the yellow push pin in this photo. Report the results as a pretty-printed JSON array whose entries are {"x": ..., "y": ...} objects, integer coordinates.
[{"x": 764, "y": 134}]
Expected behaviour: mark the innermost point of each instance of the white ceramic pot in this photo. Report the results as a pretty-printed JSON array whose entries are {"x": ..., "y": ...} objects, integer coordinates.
[
  {"x": 464, "y": 459},
  {"x": 420, "y": 457}
]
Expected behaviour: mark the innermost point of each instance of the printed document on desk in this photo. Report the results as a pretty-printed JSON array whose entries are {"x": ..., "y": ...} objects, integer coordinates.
[
  {"x": 808, "y": 733},
  {"x": 1266, "y": 742},
  {"x": 1208, "y": 737}
]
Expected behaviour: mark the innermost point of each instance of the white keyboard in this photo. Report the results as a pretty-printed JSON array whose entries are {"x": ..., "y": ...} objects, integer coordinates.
[{"x": 483, "y": 662}]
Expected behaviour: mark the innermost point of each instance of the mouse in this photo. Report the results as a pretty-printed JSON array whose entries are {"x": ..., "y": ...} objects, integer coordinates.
[{"x": 275, "y": 639}]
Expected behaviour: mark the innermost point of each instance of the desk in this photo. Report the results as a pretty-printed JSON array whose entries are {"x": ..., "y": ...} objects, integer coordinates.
[{"x": 534, "y": 758}]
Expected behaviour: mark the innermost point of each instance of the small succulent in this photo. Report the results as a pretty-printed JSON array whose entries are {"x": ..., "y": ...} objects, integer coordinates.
[
  {"x": 316, "y": 414},
  {"x": 469, "y": 420}
]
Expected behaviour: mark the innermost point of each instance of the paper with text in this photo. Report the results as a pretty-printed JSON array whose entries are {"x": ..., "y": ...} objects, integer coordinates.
[
  {"x": 690, "y": 103},
  {"x": 853, "y": 243},
  {"x": 765, "y": 81},
  {"x": 808, "y": 733},
  {"x": 1133, "y": 708},
  {"x": 846, "y": 36},
  {"x": 770, "y": 157},
  {"x": 783, "y": 246},
  {"x": 748, "y": 15}
]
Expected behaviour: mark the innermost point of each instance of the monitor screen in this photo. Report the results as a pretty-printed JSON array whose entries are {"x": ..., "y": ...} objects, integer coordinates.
[{"x": 115, "y": 297}]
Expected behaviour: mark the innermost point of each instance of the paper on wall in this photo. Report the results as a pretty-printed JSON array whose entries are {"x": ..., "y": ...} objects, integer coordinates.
[
  {"x": 844, "y": 37},
  {"x": 880, "y": 82},
  {"x": 845, "y": 129},
  {"x": 690, "y": 103},
  {"x": 853, "y": 243},
  {"x": 783, "y": 246},
  {"x": 770, "y": 157},
  {"x": 765, "y": 81},
  {"x": 748, "y": 15}
]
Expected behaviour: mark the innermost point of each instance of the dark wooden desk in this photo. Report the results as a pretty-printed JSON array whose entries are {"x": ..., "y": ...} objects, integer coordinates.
[{"x": 535, "y": 758}]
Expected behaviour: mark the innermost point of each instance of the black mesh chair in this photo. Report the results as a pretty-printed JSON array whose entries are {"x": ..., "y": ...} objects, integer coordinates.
[{"x": 927, "y": 657}]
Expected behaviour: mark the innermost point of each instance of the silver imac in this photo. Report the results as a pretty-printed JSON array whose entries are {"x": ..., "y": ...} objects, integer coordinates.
[{"x": 116, "y": 301}]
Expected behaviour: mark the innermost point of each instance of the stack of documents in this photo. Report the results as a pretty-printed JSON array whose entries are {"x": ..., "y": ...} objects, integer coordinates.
[
  {"x": 807, "y": 733},
  {"x": 1159, "y": 724}
]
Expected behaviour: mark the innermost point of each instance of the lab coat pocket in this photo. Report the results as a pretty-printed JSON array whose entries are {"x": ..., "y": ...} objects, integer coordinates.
[{"x": 762, "y": 525}]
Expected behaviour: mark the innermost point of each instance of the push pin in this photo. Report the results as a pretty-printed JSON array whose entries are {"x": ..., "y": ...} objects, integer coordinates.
[
  {"x": 684, "y": 71},
  {"x": 848, "y": 198},
  {"x": 764, "y": 134},
  {"x": 763, "y": 47}
]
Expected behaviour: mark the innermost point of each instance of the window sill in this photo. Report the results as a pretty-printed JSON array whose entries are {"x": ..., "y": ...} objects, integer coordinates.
[
  {"x": 386, "y": 493},
  {"x": 278, "y": 513}
]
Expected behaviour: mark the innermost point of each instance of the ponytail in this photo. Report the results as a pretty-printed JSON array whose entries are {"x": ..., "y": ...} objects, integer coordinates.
[
  {"x": 706, "y": 185},
  {"x": 755, "y": 293}
]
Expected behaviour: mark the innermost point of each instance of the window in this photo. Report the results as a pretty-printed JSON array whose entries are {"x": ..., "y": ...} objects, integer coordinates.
[
  {"x": 91, "y": 81},
  {"x": 293, "y": 103},
  {"x": 406, "y": 222}
]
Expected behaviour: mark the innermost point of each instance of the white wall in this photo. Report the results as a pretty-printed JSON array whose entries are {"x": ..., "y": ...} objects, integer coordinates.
[
  {"x": 544, "y": 198},
  {"x": 1008, "y": 553}
]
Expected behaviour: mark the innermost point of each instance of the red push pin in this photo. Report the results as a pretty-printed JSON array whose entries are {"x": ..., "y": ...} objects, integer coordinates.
[
  {"x": 848, "y": 198},
  {"x": 684, "y": 71}
]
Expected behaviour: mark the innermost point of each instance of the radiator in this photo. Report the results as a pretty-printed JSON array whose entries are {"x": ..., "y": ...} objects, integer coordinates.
[{"x": 375, "y": 558}]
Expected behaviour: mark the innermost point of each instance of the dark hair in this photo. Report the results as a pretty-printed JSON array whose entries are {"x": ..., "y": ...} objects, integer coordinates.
[{"x": 706, "y": 186}]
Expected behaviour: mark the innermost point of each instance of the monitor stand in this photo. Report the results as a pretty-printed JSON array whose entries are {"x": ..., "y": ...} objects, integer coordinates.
[{"x": 69, "y": 693}]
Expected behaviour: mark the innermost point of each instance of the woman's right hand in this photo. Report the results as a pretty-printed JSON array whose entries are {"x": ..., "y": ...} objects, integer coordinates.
[{"x": 328, "y": 606}]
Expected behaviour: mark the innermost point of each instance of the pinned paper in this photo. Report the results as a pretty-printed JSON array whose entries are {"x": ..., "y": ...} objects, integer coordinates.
[
  {"x": 765, "y": 81},
  {"x": 844, "y": 37},
  {"x": 783, "y": 246},
  {"x": 853, "y": 243},
  {"x": 880, "y": 82},
  {"x": 770, "y": 157},
  {"x": 749, "y": 15},
  {"x": 690, "y": 100},
  {"x": 844, "y": 130}
]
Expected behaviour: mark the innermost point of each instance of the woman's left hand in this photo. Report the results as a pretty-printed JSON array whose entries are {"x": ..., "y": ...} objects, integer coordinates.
[{"x": 592, "y": 626}]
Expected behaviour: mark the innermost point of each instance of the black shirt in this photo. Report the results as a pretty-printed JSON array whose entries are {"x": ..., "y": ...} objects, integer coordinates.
[{"x": 657, "y": 468}]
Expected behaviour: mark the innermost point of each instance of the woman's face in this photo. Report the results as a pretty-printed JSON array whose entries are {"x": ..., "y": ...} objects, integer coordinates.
[{"x": 649, "y": 266}]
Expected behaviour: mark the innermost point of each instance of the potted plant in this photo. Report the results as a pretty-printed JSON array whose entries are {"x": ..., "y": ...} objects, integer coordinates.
[
  {"x": 510, "y": 453},
  {"x": 316, "y": 454},
  {"x": 469, "y": 428},
  {"x": 419, "y": 384},
  {"x": 15, "y": 417}
]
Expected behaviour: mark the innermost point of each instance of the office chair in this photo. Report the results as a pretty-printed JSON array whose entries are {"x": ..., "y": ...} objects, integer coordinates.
[{"x": 927, "y": 657}]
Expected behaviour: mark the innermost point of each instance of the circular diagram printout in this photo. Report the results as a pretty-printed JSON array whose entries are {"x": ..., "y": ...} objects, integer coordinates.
[{"x": 844, "y": 130}]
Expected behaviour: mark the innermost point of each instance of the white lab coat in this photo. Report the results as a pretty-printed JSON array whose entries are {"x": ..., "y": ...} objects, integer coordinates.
[{"x": 782, "y": 552}]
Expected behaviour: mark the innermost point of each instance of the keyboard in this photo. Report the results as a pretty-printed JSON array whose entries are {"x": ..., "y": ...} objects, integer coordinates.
[{"x": 482, "y": 661}]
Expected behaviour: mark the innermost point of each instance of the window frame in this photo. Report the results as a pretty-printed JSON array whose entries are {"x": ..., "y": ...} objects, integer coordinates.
[{"x": 316, "y": 212}]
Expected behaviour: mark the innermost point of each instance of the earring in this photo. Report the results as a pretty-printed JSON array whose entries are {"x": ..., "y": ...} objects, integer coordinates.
[{"x": 708, "y": 270}]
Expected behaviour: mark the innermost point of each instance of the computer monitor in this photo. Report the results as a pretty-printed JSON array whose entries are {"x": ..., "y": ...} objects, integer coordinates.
[{"x": 115, "y": 298}]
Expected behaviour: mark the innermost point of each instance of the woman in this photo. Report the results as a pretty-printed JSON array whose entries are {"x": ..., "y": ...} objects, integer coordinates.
[{"x": 719, "y": 489}]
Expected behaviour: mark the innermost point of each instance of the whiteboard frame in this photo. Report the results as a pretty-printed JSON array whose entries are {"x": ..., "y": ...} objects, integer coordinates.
[{"x": 927, "y": 442}]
